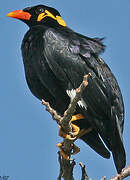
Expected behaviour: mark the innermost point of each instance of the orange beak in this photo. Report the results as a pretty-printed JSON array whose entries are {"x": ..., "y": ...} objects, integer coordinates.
[{"x": 20, "y": 14}]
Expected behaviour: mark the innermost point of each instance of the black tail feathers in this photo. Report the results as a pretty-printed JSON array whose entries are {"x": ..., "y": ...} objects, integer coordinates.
[{"x": 119, "y": 157}]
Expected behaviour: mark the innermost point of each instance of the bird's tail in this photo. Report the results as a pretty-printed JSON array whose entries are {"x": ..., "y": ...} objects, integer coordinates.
[{"x": 119, "y": 157}]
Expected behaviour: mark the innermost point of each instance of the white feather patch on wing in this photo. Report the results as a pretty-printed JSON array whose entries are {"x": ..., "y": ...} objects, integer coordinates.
[{"x": 72, "y": 94}]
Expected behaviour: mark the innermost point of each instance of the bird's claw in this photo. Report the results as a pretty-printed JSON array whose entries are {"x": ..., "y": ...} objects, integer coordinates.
[
  {"x": 64, "y": 154},
  {"x": 72, "y": 135}
]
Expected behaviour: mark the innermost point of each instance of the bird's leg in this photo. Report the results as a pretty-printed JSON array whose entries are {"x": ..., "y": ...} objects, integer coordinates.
[
  {"x": 75, "y": 129},
  {"x": 76, "y": 133},
  {"x": 72, "y": 136},
  {"x": 81, "y": 132}
]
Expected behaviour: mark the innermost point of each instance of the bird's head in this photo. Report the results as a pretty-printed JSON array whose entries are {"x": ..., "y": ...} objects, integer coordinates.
[{"x": 37, "y": 15}]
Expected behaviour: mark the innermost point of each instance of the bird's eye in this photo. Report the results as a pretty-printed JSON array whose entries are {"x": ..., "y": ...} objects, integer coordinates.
[{"x": 41, "y": 10}]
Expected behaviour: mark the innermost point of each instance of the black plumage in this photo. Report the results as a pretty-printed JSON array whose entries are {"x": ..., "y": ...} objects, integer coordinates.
[{"x": 55, "y": 60}]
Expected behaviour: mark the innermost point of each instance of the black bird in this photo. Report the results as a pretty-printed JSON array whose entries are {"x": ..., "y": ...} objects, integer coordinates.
[{"x": 55, "y": 60}]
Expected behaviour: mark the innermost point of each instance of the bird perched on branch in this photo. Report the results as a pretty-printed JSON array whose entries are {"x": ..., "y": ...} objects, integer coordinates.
[{"x": 55, "y": 60}]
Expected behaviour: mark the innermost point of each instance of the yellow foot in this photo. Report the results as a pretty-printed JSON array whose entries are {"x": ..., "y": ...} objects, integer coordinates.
[
  {"x": 64, "y": 154},
  {"x": 75, "y": 129},
  {"x": 75, "y": 132}
]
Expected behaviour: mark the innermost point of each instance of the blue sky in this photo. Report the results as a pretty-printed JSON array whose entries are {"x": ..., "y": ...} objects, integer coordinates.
[{"x": 28, "y": 135}]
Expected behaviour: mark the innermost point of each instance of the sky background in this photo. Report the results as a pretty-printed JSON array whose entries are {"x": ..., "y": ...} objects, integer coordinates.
[{"x": 28, "y": 135}]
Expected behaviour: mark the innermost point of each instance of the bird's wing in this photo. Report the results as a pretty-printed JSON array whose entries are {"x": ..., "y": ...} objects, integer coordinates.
[
  {"x": 74, "y": 56},
  {"x": 111, "y": 128},
  {"x": 70, "y": 60}
]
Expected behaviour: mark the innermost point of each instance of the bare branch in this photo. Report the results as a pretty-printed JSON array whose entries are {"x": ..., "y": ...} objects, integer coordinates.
[
  {"x": 64, "y": 164},
  {"x": 124, "y": 173},
  {"x": 54, "y": 114},
  {"x": 61, "y": 170},
  {"x": 84, "y": 173}
]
